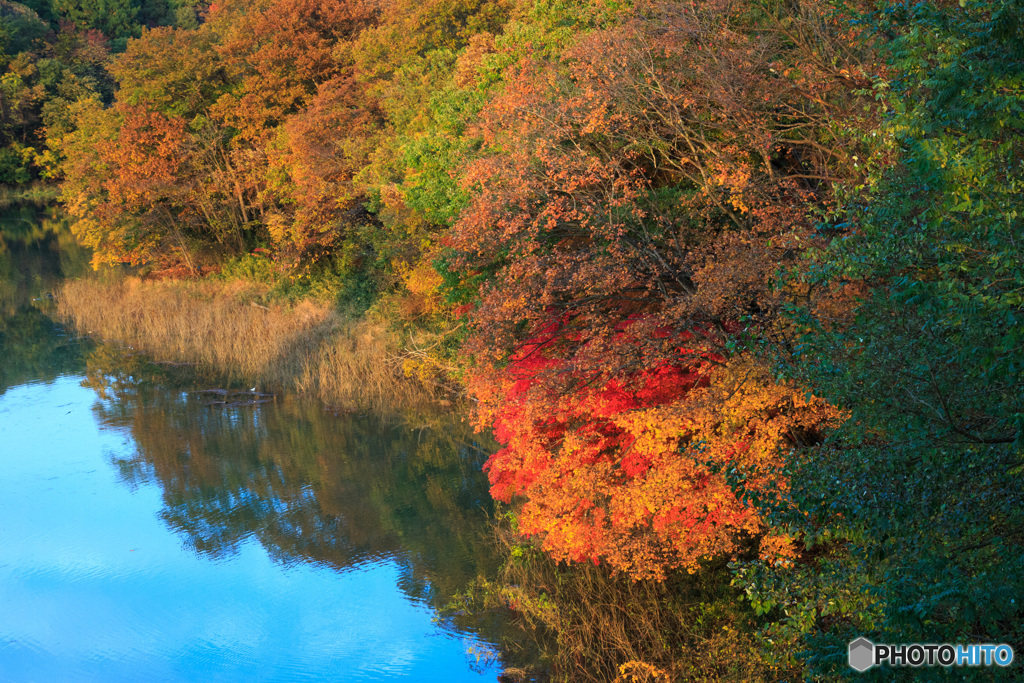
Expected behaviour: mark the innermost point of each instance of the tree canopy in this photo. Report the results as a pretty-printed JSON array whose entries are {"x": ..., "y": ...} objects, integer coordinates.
[{"x": 732, "y": 281}]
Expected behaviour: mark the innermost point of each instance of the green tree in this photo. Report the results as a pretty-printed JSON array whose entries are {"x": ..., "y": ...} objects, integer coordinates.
[
  {"x": 922, "y": 484},
  {"x": 114, "y": 18}
]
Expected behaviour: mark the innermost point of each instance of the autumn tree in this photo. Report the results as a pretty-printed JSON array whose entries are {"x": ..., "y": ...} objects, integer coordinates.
[
  {"x": 172, "y": 71},
  {"x": 624, "y": 469},
  {"x": 409, "y": 29},
  {"x": 257, "y": 103},
  {"x": 302, "y": 121},
  {"x": 121, "y": 212},
  {"x": 652, "y": 178},
  {"x": 44, "y": 69},
  {"x": 180, "y": 74},
  {"x": 280, "y": 53}
]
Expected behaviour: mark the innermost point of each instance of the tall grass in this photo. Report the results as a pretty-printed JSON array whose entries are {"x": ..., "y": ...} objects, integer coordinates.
[{"x": 306, "y": 347}]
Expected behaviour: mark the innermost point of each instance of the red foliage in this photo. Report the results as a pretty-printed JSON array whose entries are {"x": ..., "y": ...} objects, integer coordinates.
[
  {"x": 643, "y": 190},
  {"x": 620, "y": 466}
]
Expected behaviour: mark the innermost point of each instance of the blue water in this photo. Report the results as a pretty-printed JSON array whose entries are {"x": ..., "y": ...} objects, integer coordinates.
[
  {"x": 94, "y": 585},
  {"x": 146, "y": 535}
]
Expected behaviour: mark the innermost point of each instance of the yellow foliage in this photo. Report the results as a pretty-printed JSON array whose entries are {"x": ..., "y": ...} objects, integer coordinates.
[{"x": 641, "y": 672}]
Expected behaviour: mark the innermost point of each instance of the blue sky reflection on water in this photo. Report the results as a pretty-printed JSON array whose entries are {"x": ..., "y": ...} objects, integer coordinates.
[{"x": 95, "y": 586}]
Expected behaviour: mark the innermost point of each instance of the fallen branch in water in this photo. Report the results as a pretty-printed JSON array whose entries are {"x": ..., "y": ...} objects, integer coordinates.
[
  {"x": 238, "y": 404},
  {"x": 234, "y": 392}
]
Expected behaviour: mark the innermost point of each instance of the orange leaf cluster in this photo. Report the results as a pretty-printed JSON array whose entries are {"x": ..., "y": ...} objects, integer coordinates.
[
  {"x": 627, "y": 466},
  {"x": 642, "y": 191}
]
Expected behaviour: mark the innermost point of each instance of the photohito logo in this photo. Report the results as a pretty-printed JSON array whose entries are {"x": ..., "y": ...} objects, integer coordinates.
[{"x": 864, "y": 654}]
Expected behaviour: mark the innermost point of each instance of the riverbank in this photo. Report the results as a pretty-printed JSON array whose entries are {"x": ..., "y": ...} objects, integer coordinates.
[{"x": 230, "y": 326}]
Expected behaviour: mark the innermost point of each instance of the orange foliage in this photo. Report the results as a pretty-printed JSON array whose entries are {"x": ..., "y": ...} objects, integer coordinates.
[
  {"x": 127, "y": 196},
  {"x": 641, "y": 195},
  {"x": 282, "y": 51},
  {"x": 146, "y": 156},
  {"x": 622, "y": 466},
  {"x": 268, "y": 124},
  {"x": 326, "y": 144}
]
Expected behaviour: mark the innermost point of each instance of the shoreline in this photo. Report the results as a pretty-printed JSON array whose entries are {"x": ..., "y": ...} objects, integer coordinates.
[{"x": 307, "y": 348}]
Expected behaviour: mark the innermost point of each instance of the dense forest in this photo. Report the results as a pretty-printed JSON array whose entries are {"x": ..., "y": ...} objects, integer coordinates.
[{"x": 738, "y": 284}]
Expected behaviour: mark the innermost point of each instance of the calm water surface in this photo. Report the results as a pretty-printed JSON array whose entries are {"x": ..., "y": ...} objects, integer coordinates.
[{"x": 148, "y": 536}]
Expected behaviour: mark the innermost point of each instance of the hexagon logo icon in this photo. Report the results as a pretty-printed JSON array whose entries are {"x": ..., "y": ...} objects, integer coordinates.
[{"x": 862, "y": 654}]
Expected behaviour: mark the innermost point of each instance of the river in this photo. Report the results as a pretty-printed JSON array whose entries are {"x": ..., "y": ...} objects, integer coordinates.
[{"x": 146, "y": 535}]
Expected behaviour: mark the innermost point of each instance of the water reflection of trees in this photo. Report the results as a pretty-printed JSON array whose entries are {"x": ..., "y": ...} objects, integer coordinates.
[
  {"x": 309, "y": 486},
  {"x": 36, "y": 251},
  {"x": 33, "y": 347}
]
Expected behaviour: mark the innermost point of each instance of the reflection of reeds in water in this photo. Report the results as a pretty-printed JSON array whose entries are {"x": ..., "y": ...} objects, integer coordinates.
[
  {"x": 37, "y": 193},
  {"x": 306, "y": 347},
  {"x": 593, "y": 626}
]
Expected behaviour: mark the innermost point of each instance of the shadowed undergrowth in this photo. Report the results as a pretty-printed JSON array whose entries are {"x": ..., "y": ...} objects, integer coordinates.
[{"x": 591, "y": 625}]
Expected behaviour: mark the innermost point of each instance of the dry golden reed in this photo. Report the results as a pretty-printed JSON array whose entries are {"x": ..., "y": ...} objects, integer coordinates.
[{"x": 305, "y": 347}]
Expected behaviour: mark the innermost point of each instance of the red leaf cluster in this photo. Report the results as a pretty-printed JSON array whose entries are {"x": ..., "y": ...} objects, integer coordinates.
[{"x": 627, "y": 466}]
